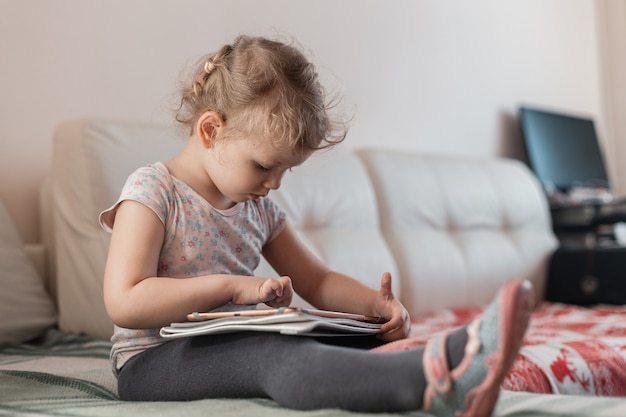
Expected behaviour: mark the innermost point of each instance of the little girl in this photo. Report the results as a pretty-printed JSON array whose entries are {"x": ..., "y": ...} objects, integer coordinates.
[{"x": 188, "y": 233}]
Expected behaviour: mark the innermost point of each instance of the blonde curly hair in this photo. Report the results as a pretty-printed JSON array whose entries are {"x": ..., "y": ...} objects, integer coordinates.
[{"x": 262, "y": 86}]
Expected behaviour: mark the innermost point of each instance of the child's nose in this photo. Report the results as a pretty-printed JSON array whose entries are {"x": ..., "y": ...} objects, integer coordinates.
[{"x": 273, "y": 183}]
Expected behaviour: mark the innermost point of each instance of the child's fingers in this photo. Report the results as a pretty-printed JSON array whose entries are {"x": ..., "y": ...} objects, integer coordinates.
[
  {"x": 385, "y": 285},
  {"x": 282, "y": 292},
  {"x": 270, "y": 289},
  {"x": 277, "y": 285},
  {"x": 395, "y": 329},
  {"x": 276, "y": 288},
  {"x": 287, "y": 292},
  {"x": 286, "y": 282}
]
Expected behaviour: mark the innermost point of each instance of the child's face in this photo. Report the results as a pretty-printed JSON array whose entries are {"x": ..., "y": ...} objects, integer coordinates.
[{"x": 248, "y": 168}]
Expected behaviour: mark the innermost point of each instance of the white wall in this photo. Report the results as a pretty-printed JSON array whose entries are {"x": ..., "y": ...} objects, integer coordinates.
[
  {"x": 612, "y": 40},
  {"x": 432, "y": 75}
]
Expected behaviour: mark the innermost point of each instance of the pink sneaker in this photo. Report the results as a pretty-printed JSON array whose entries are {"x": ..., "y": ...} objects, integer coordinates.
[{"x": 472, "y": 388}]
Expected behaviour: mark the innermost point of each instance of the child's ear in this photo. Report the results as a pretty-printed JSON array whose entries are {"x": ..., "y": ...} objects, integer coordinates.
[{"x": 208, "y": 128}]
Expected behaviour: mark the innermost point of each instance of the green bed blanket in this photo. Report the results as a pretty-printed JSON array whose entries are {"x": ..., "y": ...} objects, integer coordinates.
[{"x": 69, "y": 375}]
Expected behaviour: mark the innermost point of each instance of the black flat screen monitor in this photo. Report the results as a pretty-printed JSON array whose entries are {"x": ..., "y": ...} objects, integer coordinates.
[{"x": 563, "y": 150}]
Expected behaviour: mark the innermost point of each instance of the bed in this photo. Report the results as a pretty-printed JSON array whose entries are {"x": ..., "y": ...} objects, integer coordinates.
[{"x": 63, "y": 374}]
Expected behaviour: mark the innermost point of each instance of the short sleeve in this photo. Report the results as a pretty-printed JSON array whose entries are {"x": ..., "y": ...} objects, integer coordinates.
[
  {"x": 274, "y": 217},
  {"x": 149, "y": 186}
]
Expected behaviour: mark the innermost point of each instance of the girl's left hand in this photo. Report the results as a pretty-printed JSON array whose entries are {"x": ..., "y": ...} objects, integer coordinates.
[{"x": 388, "y": 307}]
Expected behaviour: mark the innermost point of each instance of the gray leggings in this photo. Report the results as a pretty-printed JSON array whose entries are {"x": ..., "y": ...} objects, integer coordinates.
[{"x": 297, "y": 372}]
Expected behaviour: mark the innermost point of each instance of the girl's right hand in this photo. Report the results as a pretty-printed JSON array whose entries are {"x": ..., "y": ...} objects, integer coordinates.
[{"x": 275, "y": 292}]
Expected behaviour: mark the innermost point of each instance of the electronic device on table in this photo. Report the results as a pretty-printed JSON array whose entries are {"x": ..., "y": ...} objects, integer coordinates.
[{"x": 564, "y": 153}]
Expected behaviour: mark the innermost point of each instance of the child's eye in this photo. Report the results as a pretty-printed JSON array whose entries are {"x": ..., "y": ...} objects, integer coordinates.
[{"x": 262, "y": 168}]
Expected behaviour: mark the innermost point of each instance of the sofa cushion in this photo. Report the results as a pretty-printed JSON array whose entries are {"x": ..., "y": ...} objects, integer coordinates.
[
  {"x": 25, "y": 307},
  {"x": 459, "y": 226},
  {"x": 91, "y": 161}
]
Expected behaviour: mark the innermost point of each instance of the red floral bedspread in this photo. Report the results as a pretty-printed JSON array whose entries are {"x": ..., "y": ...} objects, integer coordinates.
[{"x": 567, "y": 349}]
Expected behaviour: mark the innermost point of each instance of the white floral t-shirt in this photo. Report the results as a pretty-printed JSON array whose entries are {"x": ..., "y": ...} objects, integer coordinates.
[{"x": 199, "y": 239}]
